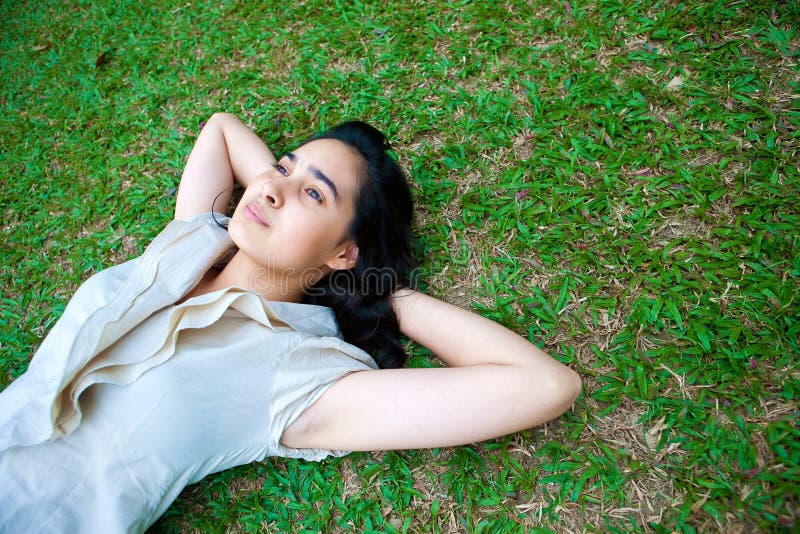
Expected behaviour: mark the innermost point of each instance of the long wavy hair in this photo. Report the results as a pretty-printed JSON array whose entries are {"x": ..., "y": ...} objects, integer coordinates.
[{"x": 381, "y": 228}]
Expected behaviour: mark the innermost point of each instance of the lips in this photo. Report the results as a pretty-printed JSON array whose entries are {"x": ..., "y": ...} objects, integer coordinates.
[{"x": 253, "y": 214}]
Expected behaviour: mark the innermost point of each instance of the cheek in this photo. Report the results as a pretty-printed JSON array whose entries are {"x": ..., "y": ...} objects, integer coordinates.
[
  {"x": 315, "y": 238},
  {"x": 309, "y": 240}
]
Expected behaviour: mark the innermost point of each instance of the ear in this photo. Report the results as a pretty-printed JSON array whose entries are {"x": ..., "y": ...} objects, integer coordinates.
[{"x": 346, "y": 257}]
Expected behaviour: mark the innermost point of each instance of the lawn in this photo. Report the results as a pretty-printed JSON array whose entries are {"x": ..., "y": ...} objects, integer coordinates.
[{"x": 617, "y": 181}]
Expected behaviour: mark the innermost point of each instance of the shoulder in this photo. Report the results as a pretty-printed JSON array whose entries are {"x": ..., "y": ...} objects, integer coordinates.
[
  {"x": 302, "y": 376},
  {"x": 324, "y": 359}
]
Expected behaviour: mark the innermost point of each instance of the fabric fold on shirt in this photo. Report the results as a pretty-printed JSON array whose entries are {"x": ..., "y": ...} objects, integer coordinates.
[
  {"x": 131, "y": 397},
  {"x": 43, "y": 403},
  {"x": 154, "y": 341},
  {"x": 104, "y": 309}
]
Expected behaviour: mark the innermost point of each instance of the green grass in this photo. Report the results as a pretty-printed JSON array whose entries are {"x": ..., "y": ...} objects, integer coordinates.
[{"x": 618, "y": 181}]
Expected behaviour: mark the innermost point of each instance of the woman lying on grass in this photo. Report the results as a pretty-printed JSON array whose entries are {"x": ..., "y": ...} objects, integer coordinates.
[{"x": 219, "y": 347}]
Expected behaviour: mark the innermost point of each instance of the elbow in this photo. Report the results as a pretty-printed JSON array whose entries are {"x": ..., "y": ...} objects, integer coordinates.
[
  {"x": 221, "y": 117},
  {"x": 565, "y": 386},
  {"x": 572, "y": 385},
  {"x": 553, "y": 395}
]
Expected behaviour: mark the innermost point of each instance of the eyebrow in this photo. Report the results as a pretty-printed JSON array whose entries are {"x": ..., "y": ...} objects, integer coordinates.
[{"x": 319, "y": 175}]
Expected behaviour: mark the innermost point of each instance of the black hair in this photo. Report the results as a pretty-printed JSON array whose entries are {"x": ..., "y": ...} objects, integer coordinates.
[{"x": 381, "y": 228}]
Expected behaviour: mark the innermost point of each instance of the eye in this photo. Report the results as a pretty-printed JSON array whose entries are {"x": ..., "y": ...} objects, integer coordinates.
[
  {"x": 281, "y": 169},
  {"x": 313, "y": 193}
]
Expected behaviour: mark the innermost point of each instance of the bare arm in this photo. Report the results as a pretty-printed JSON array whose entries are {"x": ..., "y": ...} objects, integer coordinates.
[
  {"x": 497, "y": 383},
  {"x": 226, "y": 150}
]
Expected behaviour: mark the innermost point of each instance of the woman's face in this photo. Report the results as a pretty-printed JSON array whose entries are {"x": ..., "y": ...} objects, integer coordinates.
[{"x": 293, "y": 219}]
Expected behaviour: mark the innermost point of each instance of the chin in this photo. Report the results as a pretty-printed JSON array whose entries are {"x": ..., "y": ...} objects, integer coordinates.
[{"x": 237, "y": 232}]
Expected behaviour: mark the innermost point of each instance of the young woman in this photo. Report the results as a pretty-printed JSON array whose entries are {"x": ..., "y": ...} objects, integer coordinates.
[{"x": 222, "y": 344}]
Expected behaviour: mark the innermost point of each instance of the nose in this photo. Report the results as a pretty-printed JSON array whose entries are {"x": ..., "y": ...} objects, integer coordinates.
[{"x": 272, "y": 193}]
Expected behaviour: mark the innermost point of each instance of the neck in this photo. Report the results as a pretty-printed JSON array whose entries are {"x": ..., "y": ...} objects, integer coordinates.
[{"x": 242, "y": 271}]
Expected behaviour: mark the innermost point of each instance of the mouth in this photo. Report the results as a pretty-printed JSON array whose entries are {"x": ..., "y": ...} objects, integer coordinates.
[{"x": 253, "y": 214}]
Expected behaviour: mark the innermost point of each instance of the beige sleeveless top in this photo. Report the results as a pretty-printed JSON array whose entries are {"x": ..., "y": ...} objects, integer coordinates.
[{"x": 158, "y": 400}]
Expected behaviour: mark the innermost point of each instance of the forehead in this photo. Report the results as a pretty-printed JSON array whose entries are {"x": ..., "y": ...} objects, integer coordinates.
[{"x": 337, "y": 160}]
